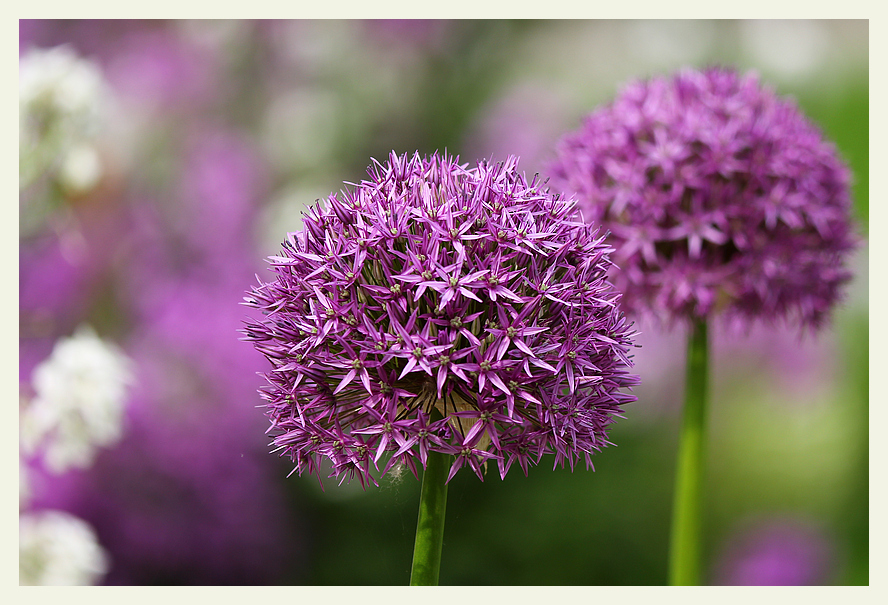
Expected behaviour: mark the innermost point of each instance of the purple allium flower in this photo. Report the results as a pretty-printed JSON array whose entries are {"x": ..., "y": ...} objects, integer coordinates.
[
  {"x": 437, "y": 307},
  {"x": 720, "y": 197}
]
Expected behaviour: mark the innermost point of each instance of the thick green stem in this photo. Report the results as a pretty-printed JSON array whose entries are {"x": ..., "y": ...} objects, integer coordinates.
[
  {"x": 685, "y": 551},
  {"x": 430, "y": 524}
]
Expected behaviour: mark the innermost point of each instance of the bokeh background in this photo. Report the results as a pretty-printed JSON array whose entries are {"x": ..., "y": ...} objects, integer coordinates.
[{"x": 217, "y": 134}]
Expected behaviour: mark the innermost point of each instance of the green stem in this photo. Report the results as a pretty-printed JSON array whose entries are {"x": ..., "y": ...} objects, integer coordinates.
[
  {"x": 685, "y": 551},
  {"x": 430, "y": 524}
]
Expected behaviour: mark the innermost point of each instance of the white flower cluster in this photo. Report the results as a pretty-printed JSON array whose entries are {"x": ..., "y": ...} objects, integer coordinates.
[
  {"x": 60, "y": 102},
  {"x": 58, "y": 549},
  {"x": 79, "y": 400}
]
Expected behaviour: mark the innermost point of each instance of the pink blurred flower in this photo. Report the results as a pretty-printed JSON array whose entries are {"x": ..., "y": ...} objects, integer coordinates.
[
  {"x": 161, "y": 69},
  {"x": 776, "y": 552},
  {"x": 428, "y": 35}
]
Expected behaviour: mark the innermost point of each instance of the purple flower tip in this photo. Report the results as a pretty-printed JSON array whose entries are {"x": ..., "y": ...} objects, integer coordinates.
[
  {"x": 719, "y": 196},
  {"x": 437, "y": 307}
]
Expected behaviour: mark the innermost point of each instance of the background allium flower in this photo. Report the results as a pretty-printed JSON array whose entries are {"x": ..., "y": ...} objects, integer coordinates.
[
  {"x": 80, "y": 392},
  {"x": 433, "y": 288},
  {"x": 58, "y": 549},
  {"x": 719, "y": 196}
]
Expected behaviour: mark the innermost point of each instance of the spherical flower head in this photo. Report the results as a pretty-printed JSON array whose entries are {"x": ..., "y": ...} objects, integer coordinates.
[
  {"x": 719, "y": 196},
  {"x": 438, "y": 307},
  {"x": 58, "y": 549},
  {"x": 80, "y": 392}
]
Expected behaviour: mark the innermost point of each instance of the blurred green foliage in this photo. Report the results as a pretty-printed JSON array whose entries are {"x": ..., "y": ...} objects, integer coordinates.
[{"x": 843, "y": 115}]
